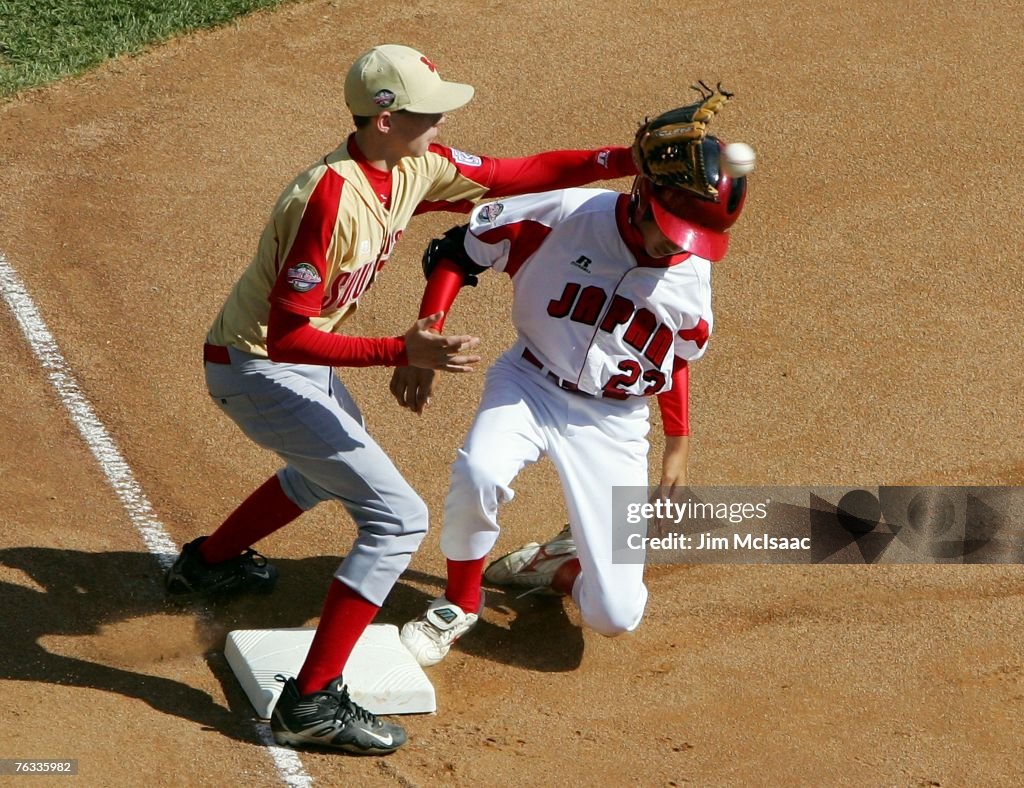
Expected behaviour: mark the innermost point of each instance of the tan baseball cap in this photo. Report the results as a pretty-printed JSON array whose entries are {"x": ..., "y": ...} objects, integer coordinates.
[{"x": 393, "y": 77}]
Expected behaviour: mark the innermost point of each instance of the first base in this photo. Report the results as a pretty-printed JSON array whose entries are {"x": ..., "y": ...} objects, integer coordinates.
[{"x": 382, "y": 676}]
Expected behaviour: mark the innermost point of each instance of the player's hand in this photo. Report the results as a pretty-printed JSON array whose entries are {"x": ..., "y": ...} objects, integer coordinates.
[
  {"x": 673, "y": 462},
  {"x": 430, "y": 350},
  {"x": 673, "y": 477},
  {"x": 412, "y": 387}
]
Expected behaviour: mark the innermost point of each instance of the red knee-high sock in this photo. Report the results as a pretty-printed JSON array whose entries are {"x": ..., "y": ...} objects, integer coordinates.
[
  {"x": 259, "y": 515},
  {"x": 565, "y": 576},
  {"x": 345, "y": 617},
  {"x": 464, "y": 580}
]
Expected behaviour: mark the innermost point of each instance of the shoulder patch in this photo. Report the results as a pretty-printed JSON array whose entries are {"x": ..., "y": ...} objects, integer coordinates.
[
  {"x": 466, "y": 158},
  {"x": 491, "y": 211},
  {"x": 303, "y": 277}
]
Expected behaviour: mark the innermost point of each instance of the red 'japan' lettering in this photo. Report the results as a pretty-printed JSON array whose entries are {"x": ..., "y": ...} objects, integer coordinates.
[
  {"x": 643, "y": 332},
  {"x": 589, "y": 306},
  {"x": 659, "y": 346},
  {"x": 640, "y": 329},
  {"x": 560, "y": 307},
  {"x": 618, "y": 313}
]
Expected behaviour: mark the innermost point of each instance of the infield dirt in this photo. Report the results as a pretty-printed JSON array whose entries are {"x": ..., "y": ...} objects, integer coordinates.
[{"x": 867, "y": 332}]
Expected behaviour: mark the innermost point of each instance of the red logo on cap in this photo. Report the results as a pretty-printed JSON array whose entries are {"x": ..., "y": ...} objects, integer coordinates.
[{"x": 430, "y": 65}]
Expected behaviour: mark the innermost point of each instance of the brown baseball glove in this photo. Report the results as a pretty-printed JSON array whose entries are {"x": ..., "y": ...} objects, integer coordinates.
[{"x": 670, "y": 149}]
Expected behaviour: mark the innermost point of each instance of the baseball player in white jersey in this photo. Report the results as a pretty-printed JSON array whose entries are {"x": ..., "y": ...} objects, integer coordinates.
[
  {"x": 612, "y": 301},
  {"x": 269, "y": 356}
]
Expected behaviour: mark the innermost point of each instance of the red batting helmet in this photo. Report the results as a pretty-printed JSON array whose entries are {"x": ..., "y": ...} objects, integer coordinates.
[{"x": 698, "y": 224}]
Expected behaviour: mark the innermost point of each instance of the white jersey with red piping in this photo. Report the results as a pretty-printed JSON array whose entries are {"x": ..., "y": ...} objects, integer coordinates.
[{"x": 591, "y": 312}]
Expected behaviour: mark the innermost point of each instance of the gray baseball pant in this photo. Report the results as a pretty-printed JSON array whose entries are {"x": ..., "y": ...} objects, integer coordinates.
[{"x": 305, "y": 415}]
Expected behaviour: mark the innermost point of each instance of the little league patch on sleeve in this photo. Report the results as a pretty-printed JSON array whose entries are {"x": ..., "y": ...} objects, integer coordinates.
[
  {"x": 466, "y": 158},
  {"x": 303, "y": 277},
  {"x": 491, "y": 211}
]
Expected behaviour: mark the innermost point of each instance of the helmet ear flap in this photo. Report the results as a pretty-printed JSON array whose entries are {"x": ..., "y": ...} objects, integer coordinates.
[
  {"x": 639, "y": 196},
  {"x": 736, "y": 195},
  {"x": 711, "y": 160}
]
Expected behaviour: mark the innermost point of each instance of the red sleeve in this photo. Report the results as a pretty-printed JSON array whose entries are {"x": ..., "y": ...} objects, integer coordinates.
[
  {"x": 459, "y": 206},
  {"x": 292, "y": 340},
  {"x": 561, "y": 169},
  {"x": 443, "y": 285},
  {"x": 675, "y": 403},
  {"x": 300, "y": 281}
]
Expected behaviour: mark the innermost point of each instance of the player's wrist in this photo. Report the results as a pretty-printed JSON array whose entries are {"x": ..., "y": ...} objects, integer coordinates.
[
  {"x": 621, "y": 162},
  {"x": 401, "y": 355}
]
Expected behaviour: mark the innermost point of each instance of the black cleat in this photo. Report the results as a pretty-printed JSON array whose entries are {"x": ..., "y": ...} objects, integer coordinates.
[
  {"x": 329, "y": 718},
  {"x": 190, "y": 574}
]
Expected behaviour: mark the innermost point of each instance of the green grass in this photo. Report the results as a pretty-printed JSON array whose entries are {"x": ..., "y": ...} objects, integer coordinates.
[{"x": 44, "y": 40}]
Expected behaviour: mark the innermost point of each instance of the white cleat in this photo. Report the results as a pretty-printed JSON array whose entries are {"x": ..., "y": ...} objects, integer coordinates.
[
  {"x": 430, "y": 637},
  {"x": 533, "y": 566}
]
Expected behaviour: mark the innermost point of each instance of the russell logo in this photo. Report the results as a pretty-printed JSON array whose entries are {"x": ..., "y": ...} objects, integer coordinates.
[{"x": 303, "y": 277}]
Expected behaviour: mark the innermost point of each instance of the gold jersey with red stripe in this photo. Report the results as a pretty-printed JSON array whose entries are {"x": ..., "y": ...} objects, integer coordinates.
[{"x": 335, "y": 225}]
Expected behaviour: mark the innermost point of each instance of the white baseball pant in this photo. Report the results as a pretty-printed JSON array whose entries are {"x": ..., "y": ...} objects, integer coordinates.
[{"x": 594, "y": 444}]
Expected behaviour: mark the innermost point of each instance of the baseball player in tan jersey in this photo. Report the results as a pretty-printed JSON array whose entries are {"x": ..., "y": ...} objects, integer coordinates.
[{"x": 269, "y": 356}]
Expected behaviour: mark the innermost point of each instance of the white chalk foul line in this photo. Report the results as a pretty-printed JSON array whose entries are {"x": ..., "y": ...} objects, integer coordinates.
[
  {"x": 115, "y": 468},
  {"x": 96, "y": 437},
  {"x": 287, "y": 761}
]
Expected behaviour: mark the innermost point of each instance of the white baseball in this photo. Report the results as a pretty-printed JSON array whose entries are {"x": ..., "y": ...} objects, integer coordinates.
[{"x": 738, "y": 159}]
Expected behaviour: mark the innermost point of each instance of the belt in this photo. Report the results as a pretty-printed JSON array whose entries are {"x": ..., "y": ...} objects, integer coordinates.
[
  {"x": 568, "y": 385},
  {"x": 562, "y": 384},
  {"x": 216, "y": 354}
]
